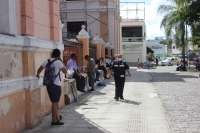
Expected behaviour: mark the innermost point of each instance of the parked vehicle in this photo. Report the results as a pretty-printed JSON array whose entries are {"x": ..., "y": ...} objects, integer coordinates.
[{"x": 166, "y": 62}]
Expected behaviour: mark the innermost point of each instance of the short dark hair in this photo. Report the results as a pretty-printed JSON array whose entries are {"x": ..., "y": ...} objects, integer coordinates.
[
  {"x": 56, "y": 53},
  {"x": 87, "y": 56},
  {"x": 73, "y": 55}
]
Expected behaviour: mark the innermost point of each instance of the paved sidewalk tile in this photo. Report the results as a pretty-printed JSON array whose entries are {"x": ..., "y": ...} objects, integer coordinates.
[{"x": 98, "y": 112}]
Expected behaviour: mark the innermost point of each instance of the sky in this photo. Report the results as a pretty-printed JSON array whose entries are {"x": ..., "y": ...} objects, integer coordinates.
[{"x": 152, "y": 18}]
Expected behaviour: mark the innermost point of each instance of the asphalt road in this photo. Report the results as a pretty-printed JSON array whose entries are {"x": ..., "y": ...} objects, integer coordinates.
[{"x": 180, "y": 95}]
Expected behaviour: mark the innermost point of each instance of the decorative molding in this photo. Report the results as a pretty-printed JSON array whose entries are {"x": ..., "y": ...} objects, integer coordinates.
[
  {"x": 112, "y": 47},
  {"x": 96, "y": 39},
  {"x": 83, "y": 33},
  {"x": 10, "y": 85},
  {"x": 28, "y": 43},
  {"x": 29, "y": 82},
  {"x": 107, "y": 45}
]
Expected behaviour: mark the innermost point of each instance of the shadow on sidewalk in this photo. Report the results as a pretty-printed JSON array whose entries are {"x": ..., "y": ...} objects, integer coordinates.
[{"x": 130, "y": 102}]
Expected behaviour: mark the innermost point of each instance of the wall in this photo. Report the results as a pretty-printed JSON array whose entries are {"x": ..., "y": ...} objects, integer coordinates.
[
  {"x": 8, "y": 17},
  {"x": 41, "y": 19},
  {"x": 133, "y": 44},
  {"x": 21, "y": 92}
]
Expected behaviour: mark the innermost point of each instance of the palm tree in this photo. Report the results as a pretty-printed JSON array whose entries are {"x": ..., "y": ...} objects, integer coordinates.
[
  {"x": 173, "y": 21},
  {"x": 195, "y": 32}
]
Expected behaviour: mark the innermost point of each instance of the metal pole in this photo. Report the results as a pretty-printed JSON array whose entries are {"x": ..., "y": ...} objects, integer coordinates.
[{"x": 127, "y": 10}]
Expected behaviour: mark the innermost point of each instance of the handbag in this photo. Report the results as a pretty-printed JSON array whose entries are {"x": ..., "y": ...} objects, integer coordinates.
[{"x": 70, "y": 73}]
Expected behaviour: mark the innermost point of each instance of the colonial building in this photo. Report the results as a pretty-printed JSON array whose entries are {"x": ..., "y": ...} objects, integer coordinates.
[
  {"x": 29, "y": 30},
  {"x": 100, "y": 18}
]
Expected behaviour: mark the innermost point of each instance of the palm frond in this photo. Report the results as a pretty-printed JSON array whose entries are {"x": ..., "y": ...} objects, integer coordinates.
[{"x": 165, "y": 8}]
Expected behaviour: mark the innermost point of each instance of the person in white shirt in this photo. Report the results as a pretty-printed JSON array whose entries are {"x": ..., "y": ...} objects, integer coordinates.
[{"x": 54, "y": 90}]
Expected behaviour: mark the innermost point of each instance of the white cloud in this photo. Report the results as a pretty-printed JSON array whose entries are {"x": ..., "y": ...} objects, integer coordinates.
[{"x": 152, "y": 18}]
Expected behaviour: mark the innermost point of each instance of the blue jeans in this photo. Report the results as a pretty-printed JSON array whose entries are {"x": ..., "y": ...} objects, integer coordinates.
[
  {"x": 91, "y": 79},
  {"x": 97, "y": 74}
]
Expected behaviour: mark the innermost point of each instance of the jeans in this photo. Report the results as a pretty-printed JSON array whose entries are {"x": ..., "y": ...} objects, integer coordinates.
[
  {"x": 91, "y": 79},
  {"x": 97, "y": 74}
]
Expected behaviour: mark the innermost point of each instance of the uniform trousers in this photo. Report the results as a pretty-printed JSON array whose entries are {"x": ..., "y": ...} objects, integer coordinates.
[{"x": 119, "y": 85}]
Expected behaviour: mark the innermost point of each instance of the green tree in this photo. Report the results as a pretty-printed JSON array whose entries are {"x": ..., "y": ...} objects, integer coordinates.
[
  {"x": 193, "y": 12},
  {"x": 195, "y": 32},
  {"x": 173, "y": 21}
]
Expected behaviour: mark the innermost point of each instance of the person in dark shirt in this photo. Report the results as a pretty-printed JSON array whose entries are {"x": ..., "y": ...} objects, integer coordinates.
[
  {"x": 120, "y": 68},
  {"x": 101, "y": 67}
]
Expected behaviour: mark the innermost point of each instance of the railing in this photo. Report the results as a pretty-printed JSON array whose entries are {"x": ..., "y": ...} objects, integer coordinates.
[{"x": 132, "y": 39}]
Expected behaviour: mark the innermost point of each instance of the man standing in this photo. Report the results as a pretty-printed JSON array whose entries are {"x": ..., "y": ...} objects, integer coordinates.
[
  {"x": 80, "y": 79},
  {"x": 119, "y": 67},
  {"x": 90, "y": 71},
  {"x": 156, "y": 61},
  {"x": 53, "y": 66}
]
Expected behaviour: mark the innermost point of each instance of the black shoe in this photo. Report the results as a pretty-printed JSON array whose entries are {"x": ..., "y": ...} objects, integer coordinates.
[
  {"x": 105, "y": 77},
  {"x": 81, "y": 90},
  {"x": 57, "y": 123},
  {"x": 97, "y": 80},
  {"x": 116, "y": 98},
  {"x": 91, "y": 90},
  {"x": 60, "y": 116},
  {"x": 121, "y": 98}
]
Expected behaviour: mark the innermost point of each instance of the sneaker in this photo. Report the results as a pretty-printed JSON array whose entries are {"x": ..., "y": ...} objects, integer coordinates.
[
  {"x": 98, "y": 80},
  {"x": 121, "y": 98},
  {"x": 57, "y": 123},
  {"x": 116, "y": 98},
  {"x": 91, "y": 90}
]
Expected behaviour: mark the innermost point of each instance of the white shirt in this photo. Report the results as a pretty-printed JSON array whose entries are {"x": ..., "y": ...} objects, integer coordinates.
[
  {"x": 58, "y": 65},
  {"x": 108, "y": 61}
]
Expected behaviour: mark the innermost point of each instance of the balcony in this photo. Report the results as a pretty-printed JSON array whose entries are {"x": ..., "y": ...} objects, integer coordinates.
[{"x": 132, "y": 39}]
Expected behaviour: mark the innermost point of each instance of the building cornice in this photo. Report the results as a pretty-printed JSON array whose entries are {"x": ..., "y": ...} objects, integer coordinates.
[{"x": 27, "y": 43}]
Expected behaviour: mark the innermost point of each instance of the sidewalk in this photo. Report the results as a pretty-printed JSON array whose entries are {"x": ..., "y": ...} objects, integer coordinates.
[{"x": 98, "y": 112}]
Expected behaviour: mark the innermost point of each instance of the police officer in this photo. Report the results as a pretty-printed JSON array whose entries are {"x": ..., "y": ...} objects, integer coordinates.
[{"x": 119, "y": 67}]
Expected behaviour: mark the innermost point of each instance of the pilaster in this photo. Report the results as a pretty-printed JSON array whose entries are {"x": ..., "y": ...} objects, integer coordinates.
[
  {"x": 27, "y": 20},
  {"x": 84, "y": 38}
]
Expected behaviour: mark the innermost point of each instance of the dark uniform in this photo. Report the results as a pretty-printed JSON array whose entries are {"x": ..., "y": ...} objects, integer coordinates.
[{"x": 119, "y": 68}]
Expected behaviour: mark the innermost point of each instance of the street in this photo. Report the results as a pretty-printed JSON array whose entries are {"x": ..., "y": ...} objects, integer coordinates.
[{"x": 180, "y": 95}]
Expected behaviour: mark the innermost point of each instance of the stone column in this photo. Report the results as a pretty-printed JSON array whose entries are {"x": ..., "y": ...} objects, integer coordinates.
[
  {"x": 54, "y": 24},
  {"x": 84, "y": 38},
  {"x": 103, "y": 49},
  {"x": 61, "y": 27},
  {"x": 97, "y": 41}
]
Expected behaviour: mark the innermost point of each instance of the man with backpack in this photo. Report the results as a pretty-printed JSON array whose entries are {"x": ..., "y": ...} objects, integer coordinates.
[{"x": 51, "y": 80}]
